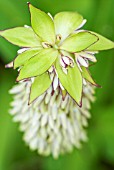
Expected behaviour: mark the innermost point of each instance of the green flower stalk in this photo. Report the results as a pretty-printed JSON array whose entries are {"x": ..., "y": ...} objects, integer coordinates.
[{"x": 54, "y": 90}]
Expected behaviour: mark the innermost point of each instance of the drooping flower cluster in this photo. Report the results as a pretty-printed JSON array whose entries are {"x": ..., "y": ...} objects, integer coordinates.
[
  {"x": 50, "y": 124},
  {"x": 54, "y": 80}
]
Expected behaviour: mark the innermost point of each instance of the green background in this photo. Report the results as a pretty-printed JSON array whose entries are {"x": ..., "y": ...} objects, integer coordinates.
[{"x": 98, "y": 153}]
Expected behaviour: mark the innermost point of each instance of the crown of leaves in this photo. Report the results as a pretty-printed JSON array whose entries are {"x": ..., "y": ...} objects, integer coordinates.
[{"x": 45, "y": 41}]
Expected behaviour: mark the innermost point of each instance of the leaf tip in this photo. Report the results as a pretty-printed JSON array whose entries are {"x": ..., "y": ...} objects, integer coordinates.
[
  {"x": 97, "y": 85},
  {"x": 80, "y": 103},
  {"x": 28, "y": 3},
  {"x": 18, "y": 78},
  {"x": 15, "y": 65},
  {"x": 1, "y": 33},
  {"x": 29, "y": 102}
]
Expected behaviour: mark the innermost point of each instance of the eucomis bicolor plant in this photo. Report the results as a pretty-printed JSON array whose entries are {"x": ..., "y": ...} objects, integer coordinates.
[{"x": 54, "y": 86}]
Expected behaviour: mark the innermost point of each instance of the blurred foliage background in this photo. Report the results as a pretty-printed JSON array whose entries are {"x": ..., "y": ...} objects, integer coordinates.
[{"x": 98, "y": 153}]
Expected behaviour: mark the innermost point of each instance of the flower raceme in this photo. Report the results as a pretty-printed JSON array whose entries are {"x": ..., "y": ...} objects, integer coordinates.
[
  {"x": 53, "y": 61},
  {"x": 50, "y": 124}
]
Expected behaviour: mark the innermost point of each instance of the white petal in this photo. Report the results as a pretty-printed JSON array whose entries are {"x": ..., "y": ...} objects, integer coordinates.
[
  {"x": 64, "y": 103},
  {"x": 92, "y": 52},
  {"x": 51, "y": 122},
  {"x": 91, "y": 57},
  {"x": 44, "y": 120},
  {"x": 54, "y": 112},
  {"x": 22, "y": 50},
  {"x": 43, "y": 132},
  {"x": 82, "y": 62},
  {"x": 26, "y": 26},
  {"x": 50, "y": 15},
  {"x": 47, "y": 98},
  {"x": 59, "y": 100},
  {"x": 84, "y": 82},
  {"x": 16, "y": 88},
  {"x": 63, "y": 120},
  {"x": 9, "y": 65},
  {"x": 51, "y": 76},
  {"x": 62, "y": 63},
  {"x": 34, "y": 144},
  {"x": 55, "y": 83},
  {"x": 66, "y": 60},
  {"x": 61, "y": 86},
  {"x": 76, "y": 58},
  {"x": 82, "y": 24}
]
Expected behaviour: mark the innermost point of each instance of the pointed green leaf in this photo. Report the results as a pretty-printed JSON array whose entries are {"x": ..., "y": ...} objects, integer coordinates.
[
  {"x": 102, "y": 44},
  {"x": 86, "y": 75},
  {"x": 66, "y": 23},
  {"x": 38, "y": 64},
  {"x": 21, "y": 36},
  {"x": 42, "y": 24},
  {"x": 72, "y": 82},
  {"x": 22, "y": 58},
  {"x": 79, "y": 41},
  {"x": 39, "y": 86}
]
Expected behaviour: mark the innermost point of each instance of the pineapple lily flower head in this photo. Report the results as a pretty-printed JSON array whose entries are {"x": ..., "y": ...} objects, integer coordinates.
[{"x": 53, "y": 77}]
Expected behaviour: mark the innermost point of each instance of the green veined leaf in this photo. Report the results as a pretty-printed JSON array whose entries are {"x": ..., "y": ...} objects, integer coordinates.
[
  {"x": 72, "y": 82},
  {"x": 66, "y": 23},
  {"x": 79, "y": 41},
  {"x": 21, "y": 36},
  {"x": 39, "y": 64},
  {"x": 22, "y": 58},
  {"x": 39, "y": 86},
  {"x": 42, "y": 24},
  {"x": 87, "y": 76},
  {"x": 102, "y": 44}
]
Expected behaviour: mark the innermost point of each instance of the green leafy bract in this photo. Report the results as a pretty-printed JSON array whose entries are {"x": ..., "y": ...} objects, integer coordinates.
[
  {"x": 38, "y": 64},
  {"x": 102, "y": 44},
  {"x": 79, "y": 41},
  {"x": 42, "y": 24},
  {"x": 66, "y": 23},
  {"x": 86, "y": 74},
  {"x": 72, "y": 81},
  {"x": 21, "y": 36},
  {"x": 22, "y": 58},
  {"x": 39, "y": 86}
]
